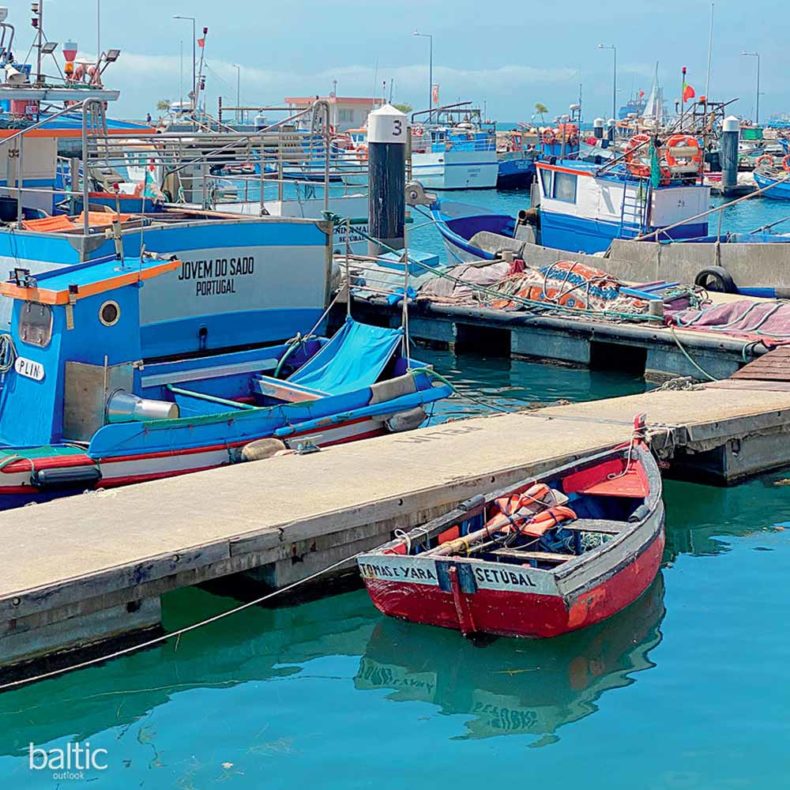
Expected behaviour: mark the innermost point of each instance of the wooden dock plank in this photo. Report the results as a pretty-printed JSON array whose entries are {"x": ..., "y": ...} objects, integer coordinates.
[{"x": 774, "y": 366}]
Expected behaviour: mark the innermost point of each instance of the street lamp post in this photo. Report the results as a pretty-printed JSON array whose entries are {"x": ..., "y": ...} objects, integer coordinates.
[
  {"x": 614, "y": 77},
  {"x": 757, "y": 104},
  {"x": 238, "y": 92},
  {"x": 193, "y": 92},
  {"x": 429, "y": 36}
]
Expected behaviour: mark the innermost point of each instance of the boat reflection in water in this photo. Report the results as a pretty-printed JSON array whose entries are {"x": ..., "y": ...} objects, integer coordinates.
[{"x": 509, "y": 687}]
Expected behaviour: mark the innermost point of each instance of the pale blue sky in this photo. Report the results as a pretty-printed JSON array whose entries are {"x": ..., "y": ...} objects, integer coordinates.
[{"x": 510, "y": 53}]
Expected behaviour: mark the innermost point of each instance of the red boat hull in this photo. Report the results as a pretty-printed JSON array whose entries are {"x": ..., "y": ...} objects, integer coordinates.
[{"x": 517, "y": 613}]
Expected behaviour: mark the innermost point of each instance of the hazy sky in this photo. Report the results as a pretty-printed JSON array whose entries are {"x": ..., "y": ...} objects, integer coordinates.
[{"x": 508, "y": 53}]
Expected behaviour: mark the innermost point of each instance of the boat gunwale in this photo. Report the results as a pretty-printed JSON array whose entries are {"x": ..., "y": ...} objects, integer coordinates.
[{"x": 576, "y": 563}]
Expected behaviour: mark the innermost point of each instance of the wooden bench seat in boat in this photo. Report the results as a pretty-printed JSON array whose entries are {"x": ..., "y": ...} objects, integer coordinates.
[
  {"x": 209, "y": 372},
  {"x": 603, "y": 526},
  {"x": 542, "y": 556}
]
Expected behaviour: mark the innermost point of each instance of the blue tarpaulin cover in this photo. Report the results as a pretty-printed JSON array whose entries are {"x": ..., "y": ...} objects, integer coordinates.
[{"x": 354, "y": 358}]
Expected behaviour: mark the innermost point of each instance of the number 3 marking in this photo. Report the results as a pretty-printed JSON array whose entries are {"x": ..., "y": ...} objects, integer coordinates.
[{"x": 397, "y": 127}]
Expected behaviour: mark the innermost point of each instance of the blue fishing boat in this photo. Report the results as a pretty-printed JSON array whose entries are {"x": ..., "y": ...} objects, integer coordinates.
[
  {"x": 516, "y": 160},
  {"x": 516, "y": 170},
  {"x": 82, "y": 405},
  {"x": 584, "y": 206},
  {"x": 775, "y": 183}
]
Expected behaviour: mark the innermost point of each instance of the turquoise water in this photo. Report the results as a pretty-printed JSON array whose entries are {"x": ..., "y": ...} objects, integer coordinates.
[{"x": 685, "y": 689}]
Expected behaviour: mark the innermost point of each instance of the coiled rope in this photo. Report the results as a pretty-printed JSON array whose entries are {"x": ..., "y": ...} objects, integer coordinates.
[{"x": 7, "y": 353}]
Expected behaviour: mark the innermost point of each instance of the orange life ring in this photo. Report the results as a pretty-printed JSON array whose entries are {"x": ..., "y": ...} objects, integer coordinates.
[
  {"x": 548, "y": 137},
  {"x": 362, "y": 153},
  {"x": 766, "y": 159},
  {"x": 682, "y": 141},
  {"x": 635, "y": 158},
  {"x": 786, "y": 164}
]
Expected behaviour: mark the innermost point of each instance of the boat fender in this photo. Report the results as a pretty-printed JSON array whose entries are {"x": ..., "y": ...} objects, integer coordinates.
[
  {"x": 473, "y": 502},
  {"x": 262, "y": 449},
  {"x": 406, "y": 420},
  {"x": 716, "y": 278},
  {"x": 66, "y": 477},
  {"x": 640, "y": 514}
]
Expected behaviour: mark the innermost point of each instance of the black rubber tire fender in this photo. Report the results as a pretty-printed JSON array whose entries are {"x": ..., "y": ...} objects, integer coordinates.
[{"x": 716, "y": 278}]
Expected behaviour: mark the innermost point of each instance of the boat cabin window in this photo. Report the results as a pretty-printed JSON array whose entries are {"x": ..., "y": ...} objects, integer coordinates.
[
  {"x": 109, "y": 313},
  {"x": 545, "y": 180},
  {"x": 565, "y": 187},
  {"x": 35, "y": 324}
]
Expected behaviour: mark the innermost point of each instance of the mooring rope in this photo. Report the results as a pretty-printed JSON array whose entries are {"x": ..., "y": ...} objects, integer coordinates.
[
  {"x": 494, "y": 293},
  {"x": 173, "y": 634},
  {"x": 689, "y": 357}
]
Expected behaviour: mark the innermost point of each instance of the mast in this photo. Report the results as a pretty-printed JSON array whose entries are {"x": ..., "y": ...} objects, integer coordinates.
[{"x": 710, "y": 52}]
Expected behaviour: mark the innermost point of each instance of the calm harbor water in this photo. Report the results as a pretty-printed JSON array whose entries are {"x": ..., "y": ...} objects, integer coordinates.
[{"x": 685, "y": 689}]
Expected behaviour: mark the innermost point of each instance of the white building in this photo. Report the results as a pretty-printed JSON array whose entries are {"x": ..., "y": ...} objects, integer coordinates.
[{"x": 346, "y": 112}]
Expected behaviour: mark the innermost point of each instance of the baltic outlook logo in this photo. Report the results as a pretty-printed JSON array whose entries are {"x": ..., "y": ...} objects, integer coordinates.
[{"x": 74, "y": 761}]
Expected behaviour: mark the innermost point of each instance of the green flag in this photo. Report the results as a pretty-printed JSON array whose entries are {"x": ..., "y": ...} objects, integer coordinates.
[{"x": 655, "y": 167}]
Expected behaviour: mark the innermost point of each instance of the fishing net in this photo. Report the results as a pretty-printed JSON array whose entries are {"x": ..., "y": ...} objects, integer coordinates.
[{"x": 568, "y": 284}]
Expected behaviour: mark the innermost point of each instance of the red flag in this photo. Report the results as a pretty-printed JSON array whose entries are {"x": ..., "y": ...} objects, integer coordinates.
[
  {"x": 201, "y": 42},
  {"x": 688, "y": 93},
  {"x": 435, "y": 94}
]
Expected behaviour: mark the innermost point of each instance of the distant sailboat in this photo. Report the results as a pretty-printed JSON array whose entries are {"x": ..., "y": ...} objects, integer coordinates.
[{"x": 655, "y": 108}]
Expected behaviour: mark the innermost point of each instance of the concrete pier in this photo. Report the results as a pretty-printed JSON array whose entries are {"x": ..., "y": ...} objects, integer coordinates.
[
  {"x": 655, "y": 351},
  {"x": 89, "y": 570}
]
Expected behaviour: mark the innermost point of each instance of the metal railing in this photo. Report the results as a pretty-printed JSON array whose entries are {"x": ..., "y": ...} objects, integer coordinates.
[{"x": 298, "y": 157}]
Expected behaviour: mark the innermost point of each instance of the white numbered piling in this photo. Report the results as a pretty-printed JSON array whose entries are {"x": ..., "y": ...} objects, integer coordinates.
[
  {"x": 730, "y": 133},
  {"x": 598, "y": 125},
  {"x": 387, "y": 137}
]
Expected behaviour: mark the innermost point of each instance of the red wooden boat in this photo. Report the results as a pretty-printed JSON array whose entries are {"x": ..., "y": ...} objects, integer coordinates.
[{"x": 538, "y": 559}]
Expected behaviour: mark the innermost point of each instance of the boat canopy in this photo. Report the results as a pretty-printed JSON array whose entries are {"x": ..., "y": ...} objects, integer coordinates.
[{"x": 354, "y": 358}]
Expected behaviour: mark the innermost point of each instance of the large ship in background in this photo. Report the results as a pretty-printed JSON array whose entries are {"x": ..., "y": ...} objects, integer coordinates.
[{"x": 635, "y": 106}]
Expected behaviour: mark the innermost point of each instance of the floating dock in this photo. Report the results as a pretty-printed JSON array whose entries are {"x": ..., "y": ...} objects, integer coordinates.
[
  {"x": 653, "y": 350},
  {"x": 81, "y": 572}
]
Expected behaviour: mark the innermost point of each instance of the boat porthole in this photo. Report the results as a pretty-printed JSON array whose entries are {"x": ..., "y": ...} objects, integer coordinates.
[{"x": 109, "y": 313}]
